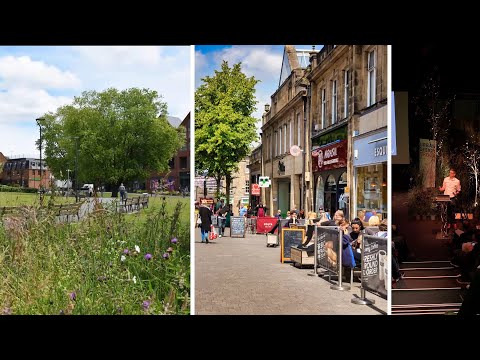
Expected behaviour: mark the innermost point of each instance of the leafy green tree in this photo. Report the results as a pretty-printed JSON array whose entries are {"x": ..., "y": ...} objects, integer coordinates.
[
  {"x": 224, "y": 127},
  {"x": 122, "y": 136}
]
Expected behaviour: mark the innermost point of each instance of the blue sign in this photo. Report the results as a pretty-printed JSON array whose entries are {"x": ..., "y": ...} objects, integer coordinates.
[{"x": 371, "y": 149}]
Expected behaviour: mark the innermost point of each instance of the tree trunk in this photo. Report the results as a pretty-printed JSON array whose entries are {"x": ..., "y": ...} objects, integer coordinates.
[
  {"x": 115, "y": 190},
  {"x": 228, "y": 179},
  {"x": 218, "y": 178}
]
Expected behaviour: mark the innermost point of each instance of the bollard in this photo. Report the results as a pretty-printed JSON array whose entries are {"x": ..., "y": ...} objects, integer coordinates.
[{"x": 339, "y": 285}]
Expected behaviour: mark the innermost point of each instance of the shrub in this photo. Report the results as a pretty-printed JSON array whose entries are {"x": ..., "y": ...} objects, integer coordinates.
[{"x": 5, "y": 188}]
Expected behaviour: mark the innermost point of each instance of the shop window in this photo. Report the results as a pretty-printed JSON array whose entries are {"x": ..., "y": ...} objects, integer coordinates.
[{"x": 372, "y": 189}]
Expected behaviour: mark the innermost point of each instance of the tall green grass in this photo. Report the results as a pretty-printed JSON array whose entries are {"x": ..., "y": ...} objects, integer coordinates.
[{"x": 92, "y": 267}]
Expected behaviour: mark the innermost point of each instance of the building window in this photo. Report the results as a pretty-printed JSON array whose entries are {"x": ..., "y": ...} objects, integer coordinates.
[
  {"x": 371, "y": 69},
  {"x": 285, "y": 138},
  {"x": 183, "y": 162},
  {"x": 324, "y": 107},
  {"x": 247, "y": 187},
  {"x": 334, "y": 101},
  {"x": 346, "y": 88},
  {"x": 276, "y": 144},
  {"x": 171, "y": 163},
  {"x": 299, "y": 130},
  {"x": 280, "y": 140},
  {"x": 291, "y": 132}
]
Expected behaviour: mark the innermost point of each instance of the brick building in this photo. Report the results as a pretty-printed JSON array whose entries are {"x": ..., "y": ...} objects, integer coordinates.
[
  {"x": 25, "y": 172},
  {"x": 179, "y": 175}
]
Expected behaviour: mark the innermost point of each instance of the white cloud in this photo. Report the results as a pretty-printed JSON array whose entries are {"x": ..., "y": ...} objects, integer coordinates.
[
  {"x": 258, "y": 61},
  {"x": 201, "y": 61},
  {"x": 24, "y": 72},
  {"x": 23, "y": 104},
  {"x": 18, "y": 141},
  {"x": 165, "y": 69},
  {"x": 120, "y": 55}
]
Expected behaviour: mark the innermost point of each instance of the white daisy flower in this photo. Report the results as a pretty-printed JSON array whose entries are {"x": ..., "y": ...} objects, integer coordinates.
[
  {"x": 134, "y": 279},
  {"x": 137, "y": 248},
  {"x": 122, "y": 258}
]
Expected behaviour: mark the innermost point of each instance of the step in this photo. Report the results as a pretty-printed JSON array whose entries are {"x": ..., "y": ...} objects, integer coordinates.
[
  {"x": 414, "y": 297},
  {"x": 425, "y": 309},
  {"x": 429, "y": 272},
  {"x": 424, "y": 313},
  {"x": 427, "y": 283},
  {"x": 425, "y": 265}
]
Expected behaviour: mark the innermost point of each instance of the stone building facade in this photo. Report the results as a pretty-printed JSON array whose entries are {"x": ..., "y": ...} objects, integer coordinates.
[
  {"x": 348, "y": 123},
  {"x": 283, "y": 125}
]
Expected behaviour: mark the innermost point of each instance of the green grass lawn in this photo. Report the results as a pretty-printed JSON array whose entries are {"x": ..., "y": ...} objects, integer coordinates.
[
  {"x": 18, "y": 199},
  {"x": 154, "y": 204}
]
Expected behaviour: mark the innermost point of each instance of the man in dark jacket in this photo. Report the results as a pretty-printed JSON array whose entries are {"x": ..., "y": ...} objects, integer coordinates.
[
  {"x": 222, "y": 219},
  {"x": 206, "y": 217}
]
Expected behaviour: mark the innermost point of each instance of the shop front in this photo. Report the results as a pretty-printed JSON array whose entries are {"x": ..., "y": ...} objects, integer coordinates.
[
  {"x": 329, "y": 166},
  {"x": 370, "y": 174}
]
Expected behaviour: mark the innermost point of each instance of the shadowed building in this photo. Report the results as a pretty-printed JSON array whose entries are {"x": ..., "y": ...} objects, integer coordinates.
[{"x": 178, "y": 177}]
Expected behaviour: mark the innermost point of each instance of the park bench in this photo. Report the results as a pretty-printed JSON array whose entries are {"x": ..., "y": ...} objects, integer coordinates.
[
  {"x": 10, "y": 210},
  {"x": 126, "y": 205},
  {"x": 136, "y": 203},
  {"x": 144, "y": 201},
  {"x": 70, "y": 210}
]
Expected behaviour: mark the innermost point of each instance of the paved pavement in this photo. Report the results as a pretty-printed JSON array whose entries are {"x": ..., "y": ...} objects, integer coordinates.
[{"x": 241, "y": 276}]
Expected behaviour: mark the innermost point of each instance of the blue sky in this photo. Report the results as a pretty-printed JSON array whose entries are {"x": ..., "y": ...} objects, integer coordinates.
[
  {"x": 38, "y": 79},
  {"x": 262, "y": 61}
]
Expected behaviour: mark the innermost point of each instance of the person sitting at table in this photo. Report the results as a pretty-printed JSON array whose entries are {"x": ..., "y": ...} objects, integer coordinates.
[
  {"x": 374, "y": 220},
  {"x": 311, "y": 221},
  {"x": 291, "y": 220}
]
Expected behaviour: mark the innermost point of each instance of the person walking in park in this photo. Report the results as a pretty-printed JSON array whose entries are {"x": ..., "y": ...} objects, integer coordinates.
[
  {"x": 206, "y": 218},
  {"x": 121, "y": 189}
]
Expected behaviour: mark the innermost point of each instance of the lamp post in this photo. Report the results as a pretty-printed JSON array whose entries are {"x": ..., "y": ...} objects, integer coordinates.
[
  {"x": 41, "y": 166},
  {"x": 68, "y": 180},
  {"x": 76, "y": 168}
]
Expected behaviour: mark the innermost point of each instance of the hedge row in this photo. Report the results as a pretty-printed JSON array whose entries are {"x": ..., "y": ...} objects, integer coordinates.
[{"x": 5, "y": 188}]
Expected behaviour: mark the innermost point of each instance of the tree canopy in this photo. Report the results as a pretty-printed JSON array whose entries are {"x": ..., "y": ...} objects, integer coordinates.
[
  {"x": 224, "y": 127},
  {"x": 122, "y": 136}
]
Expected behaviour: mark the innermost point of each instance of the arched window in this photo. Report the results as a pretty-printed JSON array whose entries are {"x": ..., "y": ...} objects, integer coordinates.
[{"x": 330, "y": 184}]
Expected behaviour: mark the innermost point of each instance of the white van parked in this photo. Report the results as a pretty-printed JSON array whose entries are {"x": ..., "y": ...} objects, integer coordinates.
[{"x": 87, "y": 189}]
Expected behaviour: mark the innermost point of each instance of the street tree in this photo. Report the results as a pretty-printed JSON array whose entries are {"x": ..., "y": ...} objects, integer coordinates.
[
  {"x": 224, "y": 126},
  {"x": 122, "y": 136}
]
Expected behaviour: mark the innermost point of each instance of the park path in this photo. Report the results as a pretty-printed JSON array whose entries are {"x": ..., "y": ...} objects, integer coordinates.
[{"x": 241, "y": 276}]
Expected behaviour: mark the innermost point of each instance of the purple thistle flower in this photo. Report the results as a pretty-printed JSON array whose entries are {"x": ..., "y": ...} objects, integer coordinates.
[
  {"x": 7, "y": 311},
  {"x": 126, "y": 252},
  {"x": 166, "y": 255},
  {"x": 174, "y": 241},
  {"x": 148, "y": 256},
  {"x": 73, "y": 296},
  {"x": 146, "y": 305}
]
